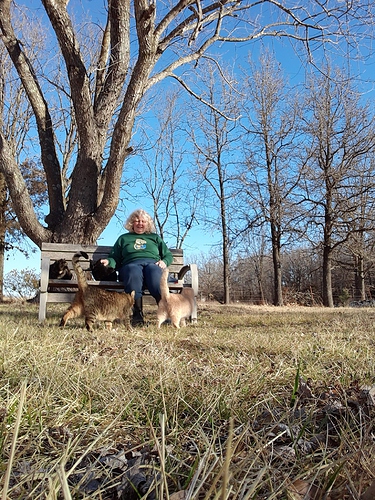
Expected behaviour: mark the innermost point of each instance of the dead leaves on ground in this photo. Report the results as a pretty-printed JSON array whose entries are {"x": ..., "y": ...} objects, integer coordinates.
[
  {"x": 118, "y": 474},
  {"x": 318, "y": 427},
  {"x": 321, "y": 448}
]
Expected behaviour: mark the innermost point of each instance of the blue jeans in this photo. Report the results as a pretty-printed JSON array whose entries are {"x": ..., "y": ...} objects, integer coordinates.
[{"x": 139, "y": 275}]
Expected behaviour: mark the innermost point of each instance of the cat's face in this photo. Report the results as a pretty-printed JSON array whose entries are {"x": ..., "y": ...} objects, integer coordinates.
[{"x": 60, "y": 270}]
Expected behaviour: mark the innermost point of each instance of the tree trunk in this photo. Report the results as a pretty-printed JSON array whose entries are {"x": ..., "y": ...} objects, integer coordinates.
[
  {"x": 277, "y": 271},
  {"x": 3, "y": 203},
  {"x": 327, "y": 277},
  {"x": 360, "y": 285},
  {"x": 226, "y": 271}
]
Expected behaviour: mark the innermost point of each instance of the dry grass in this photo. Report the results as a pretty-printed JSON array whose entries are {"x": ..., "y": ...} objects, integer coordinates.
[{"x": 218, "y": 410}]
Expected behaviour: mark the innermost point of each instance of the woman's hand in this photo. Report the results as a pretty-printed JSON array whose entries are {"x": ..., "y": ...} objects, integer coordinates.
[
  {"x": 161, "y": 264},
  {"x": 104, "y": 262}
]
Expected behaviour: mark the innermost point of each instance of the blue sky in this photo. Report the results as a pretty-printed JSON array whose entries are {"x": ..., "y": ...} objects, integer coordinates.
[{"x": 199, "y": 239}]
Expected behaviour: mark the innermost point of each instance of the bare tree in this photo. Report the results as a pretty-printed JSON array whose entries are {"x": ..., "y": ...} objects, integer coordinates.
[
  {"x": 301, "y": 275},
  {"x": 140, "y": 43},
  {"x": 340, "y": 132},
  {"x": 164, "y": 172},
  {"x": 272, "y": 172},
  {"x": 356, "y": 256},
  {"x": 215, "y": 136},
  {"x": 248, "y": 276},
  {"x": 210, "y": 273}
]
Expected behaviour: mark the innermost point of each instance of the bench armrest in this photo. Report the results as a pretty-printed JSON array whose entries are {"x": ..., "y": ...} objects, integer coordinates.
[
  {"x": 194, "y": 276},
  {"x": 44, "y": 274}
]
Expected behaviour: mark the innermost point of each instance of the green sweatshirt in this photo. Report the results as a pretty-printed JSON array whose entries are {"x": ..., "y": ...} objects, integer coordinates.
[{"x": 132, "y": 246}]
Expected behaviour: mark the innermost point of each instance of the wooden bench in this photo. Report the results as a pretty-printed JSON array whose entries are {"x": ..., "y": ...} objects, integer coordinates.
[{"x": 63, "y": 291}]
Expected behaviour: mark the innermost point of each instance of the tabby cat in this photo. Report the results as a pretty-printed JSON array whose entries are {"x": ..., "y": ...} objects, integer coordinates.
[
  {"x": 96, "y": 304},
  {"x": 174, "y": 306}
]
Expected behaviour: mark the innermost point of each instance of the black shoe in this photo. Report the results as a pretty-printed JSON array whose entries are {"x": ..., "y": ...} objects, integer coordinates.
[
  {"x": 137, "y": 313},
  {"x": 137, "y": 318}
]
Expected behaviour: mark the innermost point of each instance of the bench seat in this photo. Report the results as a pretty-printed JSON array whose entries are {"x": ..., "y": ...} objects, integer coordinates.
[{"x": 63, "y": 291}]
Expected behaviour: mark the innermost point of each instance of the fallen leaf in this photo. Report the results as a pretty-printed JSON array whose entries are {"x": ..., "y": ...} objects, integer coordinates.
[
  {"x": 179, "y": 495},
  {"x": 304, "y": 391},
  {"x": 302, "y": 490}
]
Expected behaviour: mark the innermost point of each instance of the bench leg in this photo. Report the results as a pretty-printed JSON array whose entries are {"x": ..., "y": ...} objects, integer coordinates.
[
  {"x": 194, "y": 315},
  {"x": 42, "y": 306},
  {"x": 43, "y": 294}
]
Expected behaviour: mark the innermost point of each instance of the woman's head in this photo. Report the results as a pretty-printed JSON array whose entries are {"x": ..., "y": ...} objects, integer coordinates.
[{"x": 140, "y": 222}]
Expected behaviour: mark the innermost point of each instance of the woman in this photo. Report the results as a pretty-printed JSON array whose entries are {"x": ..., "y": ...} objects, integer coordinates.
[{"x": 140, "y": 257}]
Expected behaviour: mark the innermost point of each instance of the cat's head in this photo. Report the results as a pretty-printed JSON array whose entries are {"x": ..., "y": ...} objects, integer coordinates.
[
  {"x": 100, "y": 272},
  {"x": 59, "y": 270}
]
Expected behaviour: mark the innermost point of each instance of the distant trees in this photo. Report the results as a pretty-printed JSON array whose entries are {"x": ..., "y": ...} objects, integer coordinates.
[
  {"x": 289, "y": 185},
  {"x": 338, "y": 171},
  {"x": 360, "y": 244},
  {"x": 15, "y": 116},
  {"x": 307, "y": 188},
  {"x": 162, "y": 175},
  {"x": 21, "y": 284}
]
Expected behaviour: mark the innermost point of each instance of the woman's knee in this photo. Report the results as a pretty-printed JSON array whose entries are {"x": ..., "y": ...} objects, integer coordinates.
[
  {"x": 152, "y": 278},
  {"x": 131, "y": 276}
]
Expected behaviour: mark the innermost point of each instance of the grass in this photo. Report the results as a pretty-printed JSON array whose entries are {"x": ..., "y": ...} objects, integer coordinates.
[{"x": 250, "y": 403}]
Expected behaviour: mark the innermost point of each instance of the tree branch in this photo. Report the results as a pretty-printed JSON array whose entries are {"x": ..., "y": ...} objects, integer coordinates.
[
  {"x": 43, "y": 119},
  {"x": 18, "y": 190},
  {"x": 118, "y": 27},
  {"x": 203, "y": 101},
  {"x": 78, "y": 78}
]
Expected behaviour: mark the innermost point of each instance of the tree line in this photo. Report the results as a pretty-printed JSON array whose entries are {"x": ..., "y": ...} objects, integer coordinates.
[
  {"x": 79, "y": 93},
  {"x": 280, "y": 172}
]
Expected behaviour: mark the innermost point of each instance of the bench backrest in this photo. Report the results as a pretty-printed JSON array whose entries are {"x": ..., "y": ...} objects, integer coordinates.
[{"x": 56, "y": 251}]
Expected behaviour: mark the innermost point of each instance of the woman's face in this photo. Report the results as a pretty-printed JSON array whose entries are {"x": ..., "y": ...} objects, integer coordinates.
[{"x": 139, "y": 225}]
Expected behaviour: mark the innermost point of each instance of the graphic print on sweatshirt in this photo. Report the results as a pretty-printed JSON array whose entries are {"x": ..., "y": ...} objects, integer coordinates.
[{"x": 140, "y": 244}]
